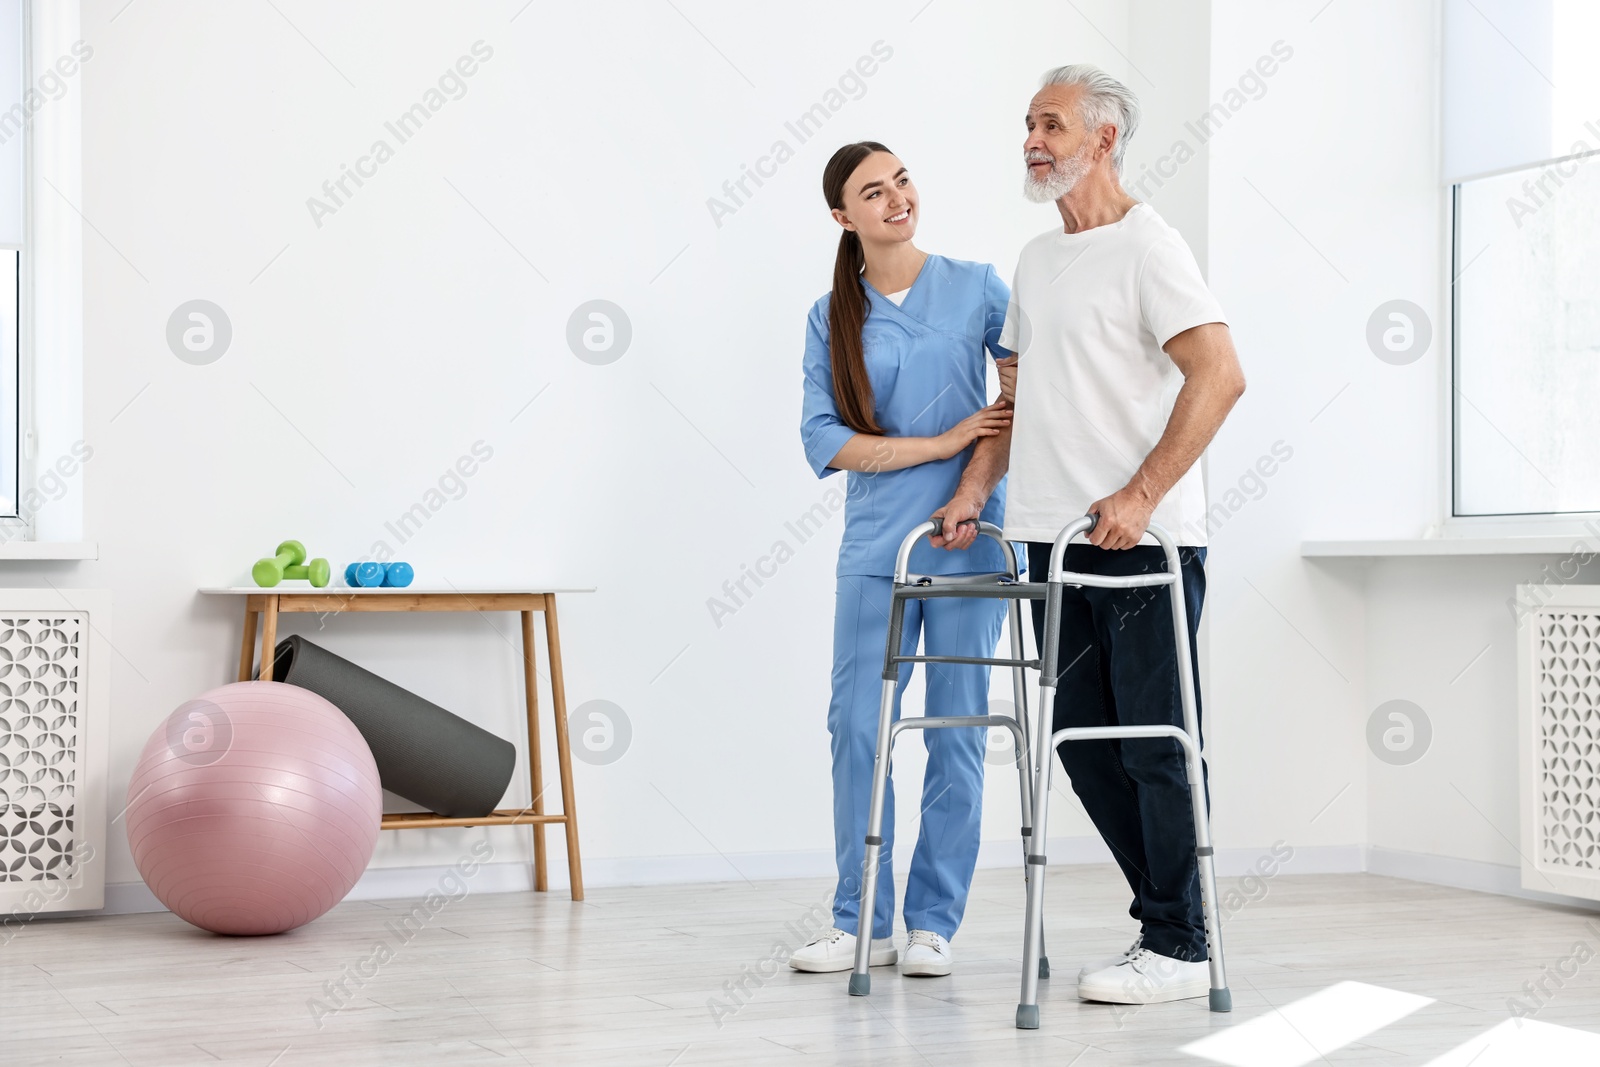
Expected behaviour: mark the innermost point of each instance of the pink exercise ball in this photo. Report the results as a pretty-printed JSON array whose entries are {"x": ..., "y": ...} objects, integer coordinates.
[{"x": 254, "y": 808}]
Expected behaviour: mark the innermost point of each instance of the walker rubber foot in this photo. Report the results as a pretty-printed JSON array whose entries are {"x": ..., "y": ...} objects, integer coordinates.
[
  {"x": 1027, "y": 1016},
  {"x": 1221, "y": 1000},
  {"x": 1044, "y": 967},
  {"x": 861, "y": 985}
]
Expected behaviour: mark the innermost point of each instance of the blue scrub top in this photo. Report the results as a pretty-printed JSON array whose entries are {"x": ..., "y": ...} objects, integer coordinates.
[{"x": 925, "y": 359}]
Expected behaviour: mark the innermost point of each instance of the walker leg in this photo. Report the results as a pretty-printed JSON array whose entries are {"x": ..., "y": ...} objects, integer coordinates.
[
  {"x": 1027, "y": 848},
  {"x": 1019, "y": 692},
  {"x": 1034, "y": 965},
  {"x": 860, "y": 979},
  {"x": 1027, "y": 886},
  {"x": 1221, "y": 998}
]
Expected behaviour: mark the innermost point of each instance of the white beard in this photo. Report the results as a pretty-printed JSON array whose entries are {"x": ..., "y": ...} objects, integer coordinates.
[{"x": 1062, "y": 179}]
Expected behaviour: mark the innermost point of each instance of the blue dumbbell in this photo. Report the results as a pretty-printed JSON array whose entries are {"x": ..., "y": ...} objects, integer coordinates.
[
  {"x": 398, "y": 575},
  {"x": 364, "y": 575}
]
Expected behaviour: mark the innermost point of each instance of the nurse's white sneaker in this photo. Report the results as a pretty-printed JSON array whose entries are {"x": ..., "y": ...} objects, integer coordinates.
[
  {"x": 836, "y": 951},
  {"x": 1111, "y": 961},
  {"x": 927, "y": 955},
  {"x": 1146, "y": 978}
]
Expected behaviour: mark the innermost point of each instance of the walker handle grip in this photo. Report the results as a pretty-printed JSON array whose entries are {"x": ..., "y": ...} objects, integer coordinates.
[{"x": 938, "y": 525}]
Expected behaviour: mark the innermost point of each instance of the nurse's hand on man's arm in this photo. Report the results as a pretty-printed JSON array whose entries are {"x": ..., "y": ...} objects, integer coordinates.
[
  {"x": 875, "y": 454},
  {"x": 1007, "y": 369},
  {"x": 985, "y": 422}
]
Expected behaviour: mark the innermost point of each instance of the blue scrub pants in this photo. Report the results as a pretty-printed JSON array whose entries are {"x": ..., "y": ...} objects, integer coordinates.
[{"x": 952, "y": 787}]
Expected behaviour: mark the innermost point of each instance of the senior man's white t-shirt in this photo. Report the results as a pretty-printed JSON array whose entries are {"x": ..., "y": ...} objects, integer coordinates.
[{"x": 1094, "y": 388}]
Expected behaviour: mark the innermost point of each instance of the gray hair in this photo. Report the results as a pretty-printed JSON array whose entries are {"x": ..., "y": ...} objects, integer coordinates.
[{"x": 1105, "y": 102}]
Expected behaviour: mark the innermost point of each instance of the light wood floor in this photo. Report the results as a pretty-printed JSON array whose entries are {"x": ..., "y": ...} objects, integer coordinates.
[{"x": 627, "y": 977}]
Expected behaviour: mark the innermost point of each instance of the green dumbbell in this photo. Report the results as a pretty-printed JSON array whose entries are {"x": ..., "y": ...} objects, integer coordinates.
[
  {"x": 269, "y": 572},
  {"x": 317, "y": 572},
  {"x": 290, "y": 562}
]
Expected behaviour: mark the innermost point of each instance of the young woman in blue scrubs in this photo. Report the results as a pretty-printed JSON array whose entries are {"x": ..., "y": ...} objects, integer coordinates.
[{"x": 895, "y": 395}]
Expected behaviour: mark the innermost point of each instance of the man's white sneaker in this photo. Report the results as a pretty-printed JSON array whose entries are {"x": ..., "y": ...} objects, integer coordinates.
[
  {"x": 836, "y": 951},
  {"x": 1146, "y": 978},
  {"x": 927, "y": 954},
  {"x": 1110, "y": 961}
]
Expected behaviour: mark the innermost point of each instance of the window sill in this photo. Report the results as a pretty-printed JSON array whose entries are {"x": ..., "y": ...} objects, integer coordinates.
[
  {"x": 1536, "y": 545},
  {"x": 25, "y": 550}
]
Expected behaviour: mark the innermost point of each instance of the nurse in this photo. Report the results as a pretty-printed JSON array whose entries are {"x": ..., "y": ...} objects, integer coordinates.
[{"x": 895, "y": 395}]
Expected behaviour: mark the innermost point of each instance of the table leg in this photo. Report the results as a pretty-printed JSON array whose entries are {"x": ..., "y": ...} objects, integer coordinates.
[
  {"x": 247, "y": 648},
  {"x": 530, "y": 681},
  {"x": 269, "y": 637},
  {"x": 558, "y": 697}
]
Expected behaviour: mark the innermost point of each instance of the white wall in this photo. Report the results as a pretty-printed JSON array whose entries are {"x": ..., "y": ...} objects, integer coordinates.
[
  {"x": 1436, "y": 632},
  {"x": 371, "y": 352},
  {"x": 1168, "y": 165},
  {"x": 1329, "y": 205},
  {"x": 1324, "y": 204}
]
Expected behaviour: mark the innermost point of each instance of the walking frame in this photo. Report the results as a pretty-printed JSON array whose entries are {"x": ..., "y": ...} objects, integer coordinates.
[{"x": 1034, "y": 744}]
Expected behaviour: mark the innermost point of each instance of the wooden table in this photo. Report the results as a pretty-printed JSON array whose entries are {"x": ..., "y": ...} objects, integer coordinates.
[{"x": 266, "y": 605}]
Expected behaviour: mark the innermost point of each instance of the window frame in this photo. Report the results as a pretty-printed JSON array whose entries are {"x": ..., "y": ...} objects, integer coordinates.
[
  {"x": 19, "y": 526},
  {"x": 51, "y": 322},
  {"x": 1577, "y": 523}
]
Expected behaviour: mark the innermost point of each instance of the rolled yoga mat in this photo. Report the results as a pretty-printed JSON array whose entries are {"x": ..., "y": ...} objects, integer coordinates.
[{"x": 424, "y": 753}]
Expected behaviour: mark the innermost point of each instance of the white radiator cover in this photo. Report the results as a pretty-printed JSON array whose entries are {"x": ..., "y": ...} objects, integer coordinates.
[
  {"x": 54, "y": 735},
  {"x": 1558, "y": 673}
]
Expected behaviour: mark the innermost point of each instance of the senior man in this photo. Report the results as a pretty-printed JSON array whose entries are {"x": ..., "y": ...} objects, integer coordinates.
[{"x": 1106, "y": 312}]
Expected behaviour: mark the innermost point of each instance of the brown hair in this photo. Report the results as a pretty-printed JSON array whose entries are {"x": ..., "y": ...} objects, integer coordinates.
[{"x": 847, "y": 310}]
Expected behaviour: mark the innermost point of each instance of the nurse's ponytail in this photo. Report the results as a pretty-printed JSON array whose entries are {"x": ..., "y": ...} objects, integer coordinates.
[{"x": 847, "y": 309}]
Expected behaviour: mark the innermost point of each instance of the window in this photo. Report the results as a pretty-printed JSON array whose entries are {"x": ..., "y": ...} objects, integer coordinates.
[
  {"x": 13, "y": 201},
  {"x": 42, "y": 446},
  {"x": 1526, "y": 359}
]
